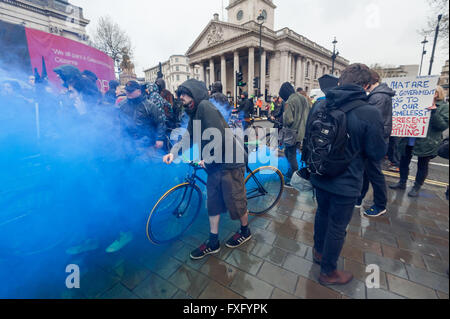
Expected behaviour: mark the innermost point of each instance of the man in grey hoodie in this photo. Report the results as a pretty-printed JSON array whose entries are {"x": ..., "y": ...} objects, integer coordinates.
[{"x": 380, "y": 95}]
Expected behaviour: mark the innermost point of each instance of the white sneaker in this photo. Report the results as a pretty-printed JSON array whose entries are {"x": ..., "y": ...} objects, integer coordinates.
[
  {"x": 124, "y": 239},
  {"x": 88, "y": 245}
]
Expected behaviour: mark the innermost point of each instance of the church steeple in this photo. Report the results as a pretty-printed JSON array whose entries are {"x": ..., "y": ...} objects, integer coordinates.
[{"x": 243, "y": 11}]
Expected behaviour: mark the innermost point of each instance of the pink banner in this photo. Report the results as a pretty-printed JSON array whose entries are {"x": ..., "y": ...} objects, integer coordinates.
[{"x": 59, "y": 51}]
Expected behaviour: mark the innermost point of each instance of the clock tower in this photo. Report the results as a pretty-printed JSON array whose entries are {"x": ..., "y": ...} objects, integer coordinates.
[{"x": 243, "y": 11}]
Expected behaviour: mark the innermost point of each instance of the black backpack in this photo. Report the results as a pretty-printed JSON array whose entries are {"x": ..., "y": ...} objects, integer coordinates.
[{"x": 325, "y": 151}]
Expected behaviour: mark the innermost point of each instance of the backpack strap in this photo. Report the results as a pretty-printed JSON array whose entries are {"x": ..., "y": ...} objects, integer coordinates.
[{"x": 352, "y": 105}]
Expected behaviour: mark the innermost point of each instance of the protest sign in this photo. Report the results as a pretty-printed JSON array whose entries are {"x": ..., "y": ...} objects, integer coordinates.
[{"x": 414, "y": 95}]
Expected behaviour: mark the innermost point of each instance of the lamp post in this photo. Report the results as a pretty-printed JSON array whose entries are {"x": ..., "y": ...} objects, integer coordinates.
[
  {"x": 334, "y": 56},
  {"x": 424, "y": 42},
  {"x": 434, "y": 45},
  {"x": 261, "y": 19}
]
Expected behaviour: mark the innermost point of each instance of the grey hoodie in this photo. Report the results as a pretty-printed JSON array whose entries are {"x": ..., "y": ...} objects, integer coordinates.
[{"x": 381, "y": 97}]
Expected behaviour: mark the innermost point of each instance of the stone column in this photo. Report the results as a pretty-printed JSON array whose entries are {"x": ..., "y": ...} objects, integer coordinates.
[
  {"x": 236, "y": 69},
  {"x": 212, "y": 76},
  {"x": 283, "y": 67},
  {"x": 263, "y": 76},
  {"x": 251, "y": 70},
  {"x": 202, "y": 72},
  {"x": 289, "y": 67},
  {"x": 298, "y": 72},
  {"x": 223, "y": 73}
]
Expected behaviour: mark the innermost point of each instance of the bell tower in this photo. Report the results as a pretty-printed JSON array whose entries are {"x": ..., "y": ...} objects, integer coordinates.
[{"x": 243, "y": 11}]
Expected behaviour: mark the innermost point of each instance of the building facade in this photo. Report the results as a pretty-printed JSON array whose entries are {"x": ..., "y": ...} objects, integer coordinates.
[
  {"x": 224, "y": 48},
  {"x": 175, "y": 71},
  {"x": 443, "y": 81},
  {"x": 397, "y": 72},
  {"x": 53, "y": 16}
]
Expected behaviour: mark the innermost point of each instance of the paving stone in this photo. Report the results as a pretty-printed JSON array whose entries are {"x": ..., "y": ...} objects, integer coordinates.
[
  {"x": 251, "y": 287},
  {"x": 308, "y": 217},
  {"x": 432, "y": 240},
  {"x": 359, "y": 272},
  {"x": 404, "y": 256},
  {"x": 291, "y": 246},
  {"x": 353, "y": 253},
  {"x": 96, "y": 282},
  {"x": 305, "y": 237},
  {"x": 154, "y": 287},
  {"x": 302, "y": 267},
  {"x": 246, "y": 262},
  {"x": 381, "y": 294},
  {"x": 278, "y": 277},
  {"x": 308, "y": 289},
  {"x": 436, "y": 265},
  {"x": 262, "y": 235},
  {"x": 118, "y": 292},
  {"x": 273, "y": 254},
  {"x": 428, "y": 279},
  {"x": 217, "y": 291},
  {"x": 409, "y": 289},
  {"x": 386, "y": 264},
  {"x": 259, "y": 223},
  {"x": 280, "y": 294},
  {"x": 164, "y": 267},
  {"x": 384, "y": 238},
  {"x": 219, "y": 271},
  {"x": 441, "y": 295},
  {"x": 436, "y": 232},
  {"x": 286, "y": 229},
  {"x": 181, "y": 295},
  {"x": 355, "y": 289},
  {"x": 364, "y": 244},
  {"x": 131, "y": 274},
  {"x": 417, "y": 247},
  {"x": 189, "y": 280}
]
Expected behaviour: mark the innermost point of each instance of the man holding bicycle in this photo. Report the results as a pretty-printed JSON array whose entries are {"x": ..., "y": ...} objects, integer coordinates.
[{"x": 225, "y": 185}]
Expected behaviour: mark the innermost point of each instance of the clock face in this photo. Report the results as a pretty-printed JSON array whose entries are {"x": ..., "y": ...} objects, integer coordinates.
[{"x": 240, "y": 15}]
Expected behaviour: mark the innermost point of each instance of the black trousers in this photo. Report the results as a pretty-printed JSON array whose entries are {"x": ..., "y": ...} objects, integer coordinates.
[
  {"x": 374, "y": 175},
  {"x": 393, "y": 155},
  {"x": 422, "y": 167},
  {"x": 291, "y": 155}
]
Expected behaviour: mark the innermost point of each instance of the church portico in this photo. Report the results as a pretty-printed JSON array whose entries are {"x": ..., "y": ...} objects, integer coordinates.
[{"x": 224, "y": 48}]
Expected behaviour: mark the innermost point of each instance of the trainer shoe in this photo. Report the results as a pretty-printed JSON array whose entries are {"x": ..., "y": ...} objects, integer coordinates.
[
  {"x": 238, "y": 240},
  {"x": 399, "y": 185},
  {"x": 205, "y": 250},
  {"x": 374, "y": 211}
]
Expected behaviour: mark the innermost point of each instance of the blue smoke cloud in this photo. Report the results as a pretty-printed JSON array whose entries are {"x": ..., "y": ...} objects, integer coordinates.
[{"x": 65, "y": 179}]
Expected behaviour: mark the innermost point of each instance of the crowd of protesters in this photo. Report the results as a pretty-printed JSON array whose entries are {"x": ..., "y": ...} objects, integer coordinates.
[{"x": 149, "y": 113}]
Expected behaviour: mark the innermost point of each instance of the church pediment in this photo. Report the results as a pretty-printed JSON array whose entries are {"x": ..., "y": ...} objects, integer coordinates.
[{"x": 216, "y": 32}]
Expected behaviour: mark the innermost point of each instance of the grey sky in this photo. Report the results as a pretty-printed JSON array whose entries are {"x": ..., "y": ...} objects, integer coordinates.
[{"x": 368, "y": 31}]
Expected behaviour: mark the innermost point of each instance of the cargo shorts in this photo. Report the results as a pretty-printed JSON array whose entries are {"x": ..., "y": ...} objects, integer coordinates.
[{"x": 226, "y": 192}]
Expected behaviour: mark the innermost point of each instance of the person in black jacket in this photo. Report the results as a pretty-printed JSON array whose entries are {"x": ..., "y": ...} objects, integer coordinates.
[
  {"x": 246, "y": 108},
  {"x": 143, "y": 120},
  {"x": 220, "y": 100},
  {"x": 336, "y": 197},
  {"x": 225, "y": 185},
  {"x": 380, "y": 95}
]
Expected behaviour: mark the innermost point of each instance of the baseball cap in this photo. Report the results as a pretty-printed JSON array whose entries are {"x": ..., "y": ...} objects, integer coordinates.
[{"x": 132, "y": 86}]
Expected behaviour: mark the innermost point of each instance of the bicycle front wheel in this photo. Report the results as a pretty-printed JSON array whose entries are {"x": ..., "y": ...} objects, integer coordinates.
[
  {"x": 174, "y": 213},
  {"x": 264, "y": 187}
]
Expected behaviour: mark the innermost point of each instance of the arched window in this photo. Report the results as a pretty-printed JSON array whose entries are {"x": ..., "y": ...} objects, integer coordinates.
[
  {"x": 307, "y": 69},
  {"x": 316, "y": 71}
]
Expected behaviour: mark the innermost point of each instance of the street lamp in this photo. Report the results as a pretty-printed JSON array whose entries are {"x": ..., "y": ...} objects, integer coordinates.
[
  {"x": 434, "y": 45},
  {"x": 424, "y": 42},
  {"x": 334, "y": 56},
  {"x": 261, "y": 19}
]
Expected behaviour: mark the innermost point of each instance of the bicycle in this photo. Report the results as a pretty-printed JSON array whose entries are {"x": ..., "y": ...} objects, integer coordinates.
[{"x": 178, "y": 208}]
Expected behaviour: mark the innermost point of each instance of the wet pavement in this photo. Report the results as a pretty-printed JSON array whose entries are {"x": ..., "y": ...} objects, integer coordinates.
[{"x": 410, "y": 245}]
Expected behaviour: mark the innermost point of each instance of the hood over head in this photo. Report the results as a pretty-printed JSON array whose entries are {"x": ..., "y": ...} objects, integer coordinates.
[
  {"x": 341, "y": 95},
  {"x": 384, "y": 89},
  {"x": 197, "y": 89},
  {"x": 286, "y": 91},
  {"x": 68, "y": 73}
]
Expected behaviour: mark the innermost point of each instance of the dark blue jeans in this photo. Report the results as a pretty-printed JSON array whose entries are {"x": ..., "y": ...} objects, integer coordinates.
[
  {"x": 333, "y": 215},
  {"x": 374, "y": 175}
]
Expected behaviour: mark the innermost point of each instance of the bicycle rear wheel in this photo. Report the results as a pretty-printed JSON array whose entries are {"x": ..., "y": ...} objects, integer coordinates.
[
  {"x": 264, "y": 187},
  {"x": 174, "y": 213}
]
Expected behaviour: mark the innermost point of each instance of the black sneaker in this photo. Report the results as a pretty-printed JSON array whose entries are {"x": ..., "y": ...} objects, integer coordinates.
[
  {"x": 204, "y": 250},
  {"x": 238, "y": 240}
]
